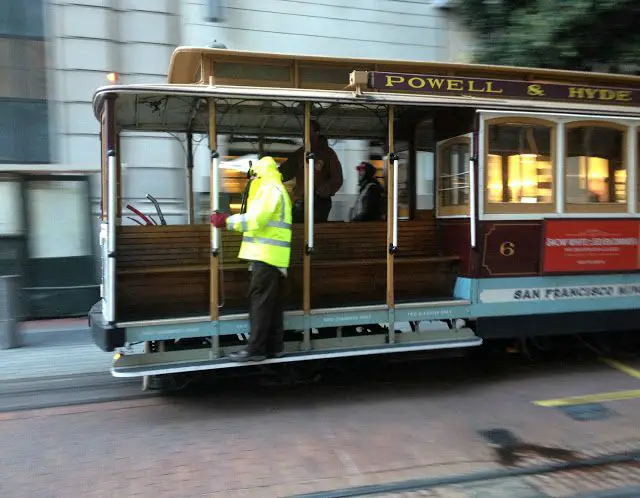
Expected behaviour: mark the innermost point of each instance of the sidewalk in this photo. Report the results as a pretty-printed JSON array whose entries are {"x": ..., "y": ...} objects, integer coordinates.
[
  {"x": 52, "y": 348},
  {"x": 60, "y": 324},
  {"x": 51, "y": 332}
]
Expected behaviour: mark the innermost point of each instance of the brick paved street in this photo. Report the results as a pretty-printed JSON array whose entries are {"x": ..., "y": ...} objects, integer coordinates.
[{"x": 243, "y": 439}]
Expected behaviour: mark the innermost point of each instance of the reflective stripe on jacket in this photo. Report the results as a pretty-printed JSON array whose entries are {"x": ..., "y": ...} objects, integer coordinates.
[{"x": 266, "y": 226}]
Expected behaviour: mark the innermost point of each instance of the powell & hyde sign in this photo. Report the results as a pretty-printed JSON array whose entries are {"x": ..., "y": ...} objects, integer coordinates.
[{"x": 481, "y": 87}]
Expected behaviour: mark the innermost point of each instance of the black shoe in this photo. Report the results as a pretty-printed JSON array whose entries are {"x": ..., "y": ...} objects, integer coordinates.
[
  {"x": 276, "y": 351},
  {"x": 243, "y": 356}
]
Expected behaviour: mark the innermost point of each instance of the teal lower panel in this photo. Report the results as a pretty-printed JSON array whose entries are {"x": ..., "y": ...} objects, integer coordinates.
[
  {"x": 167, "y": 332},
  {"x": 350, "y": 317},
  {"x": 562, "y": 294},
  {"x": 241, "y": 326},
  {"x": 334, "y": 318},
  {"x": 463, "y": 288},
  {"x": 317, "y": 320},
  {"x": 417, "y": 314},
  {"x": 201, "y": 329}
]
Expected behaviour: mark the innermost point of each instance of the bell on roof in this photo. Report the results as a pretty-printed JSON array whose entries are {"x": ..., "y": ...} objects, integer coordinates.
[{"x": 216, "y": 44}]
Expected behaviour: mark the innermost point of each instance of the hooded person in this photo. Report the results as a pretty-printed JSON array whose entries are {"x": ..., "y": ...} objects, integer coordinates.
[
  {"x": 369, "y": 205},
  {"x": 327, "y": 176},
  {"x": 266, "y": 244}
]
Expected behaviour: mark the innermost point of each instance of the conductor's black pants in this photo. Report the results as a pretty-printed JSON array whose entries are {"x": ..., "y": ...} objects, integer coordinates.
[{"x": 266, "y": 315}]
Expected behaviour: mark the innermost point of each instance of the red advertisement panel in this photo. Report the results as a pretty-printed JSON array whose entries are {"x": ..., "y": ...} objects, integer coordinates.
[{"x": 587, "y": 246}]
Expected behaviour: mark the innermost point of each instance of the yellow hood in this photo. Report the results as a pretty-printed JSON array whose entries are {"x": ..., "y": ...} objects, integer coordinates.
[{"x": 266, "y": 167}]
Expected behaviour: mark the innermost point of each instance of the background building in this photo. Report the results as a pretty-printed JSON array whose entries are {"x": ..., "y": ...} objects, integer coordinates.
[{"x": 47, "y": 123}]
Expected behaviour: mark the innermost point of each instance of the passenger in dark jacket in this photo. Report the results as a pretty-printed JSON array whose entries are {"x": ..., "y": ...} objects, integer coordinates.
[
  {"x": 327, "y": 178},
  {"x": 369, "y": 205}
]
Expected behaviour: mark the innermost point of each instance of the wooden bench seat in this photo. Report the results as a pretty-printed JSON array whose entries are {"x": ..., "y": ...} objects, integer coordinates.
[
  {"x": 383, "y": 261},
  {"x": 163, "y": 271}
]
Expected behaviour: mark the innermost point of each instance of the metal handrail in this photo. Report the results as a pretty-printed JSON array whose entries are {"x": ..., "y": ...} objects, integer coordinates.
[
  {"x": 394, "y": 231},
  {"x": 472, "y": 201},
  {"x": 147, "y": 219},
  {"x": 311, "y": 200},
  {"x": 112, "y": 193},
  {"x": 215, "y": 198},
  {"x": 158, "y": 210}
]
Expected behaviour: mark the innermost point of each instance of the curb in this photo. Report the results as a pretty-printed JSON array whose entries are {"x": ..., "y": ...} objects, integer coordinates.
[{"x": 55, "y": 336}]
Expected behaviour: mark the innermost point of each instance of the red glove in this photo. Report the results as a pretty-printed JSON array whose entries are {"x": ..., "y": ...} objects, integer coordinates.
[{"x": 219, "y": 220}]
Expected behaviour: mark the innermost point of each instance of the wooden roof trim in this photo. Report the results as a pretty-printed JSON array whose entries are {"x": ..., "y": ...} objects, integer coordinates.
[{"x": 185, "y": 61}]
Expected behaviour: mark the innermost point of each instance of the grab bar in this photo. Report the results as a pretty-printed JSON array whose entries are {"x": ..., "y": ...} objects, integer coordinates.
[
  {"x": 158, "y": 210},
  {"x": 112, "y": 202},
  {"x": 147, "y": 219},
  {"x": 310, "y": 200},
  {"x": 394, "y": 231},
  {"x": 215, "y": 198},
  {"x": 472, "y": 201}
]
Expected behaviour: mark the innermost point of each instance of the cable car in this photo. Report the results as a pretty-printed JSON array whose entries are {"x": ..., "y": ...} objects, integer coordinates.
[{"x": 512, "y": 208}]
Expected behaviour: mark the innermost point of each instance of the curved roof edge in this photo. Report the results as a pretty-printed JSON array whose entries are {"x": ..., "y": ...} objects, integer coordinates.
[
  {"x": 133, "y": 92},
  {"x": 185, "y": 62}
]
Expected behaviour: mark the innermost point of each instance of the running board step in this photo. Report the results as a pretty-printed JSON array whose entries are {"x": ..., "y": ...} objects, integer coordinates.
[{"x": 196, "y": 360}]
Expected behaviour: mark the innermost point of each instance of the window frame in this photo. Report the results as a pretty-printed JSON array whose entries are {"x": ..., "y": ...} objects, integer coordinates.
[
  {"x": 451, "y": 211},
  {"x": 602, "y": 207},
  {"x": 505, "y": 208}
]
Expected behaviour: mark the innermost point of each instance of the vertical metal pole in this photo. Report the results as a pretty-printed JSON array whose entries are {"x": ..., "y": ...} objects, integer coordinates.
[
  {"x": 214, "y": 203},
  {"x": 146, "y": 380},
  {"x": 215, "y": 200},
  {"x": 118, "y": 173},
  {"x": 394, "y": 243},
  {"x": 477, "y": 184},
  {"x": 308, "y": 211},
  {"x": 112, "y": 201},
  {"x": 558, "y": 185},
  {"x": 104, "y": 170},
  {"x": 190, "y": 204},
  {"x": 112, "y": 165},
  {"x": 472, "y": 201},
  {"x": 392, "y": 216},
  {"x": 632, "y": 169},
  {"x": 311, "y": 197}
]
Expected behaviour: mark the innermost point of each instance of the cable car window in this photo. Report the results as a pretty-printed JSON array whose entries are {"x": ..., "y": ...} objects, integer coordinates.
[
  {"x": 453, "y": 178},
  {"x": 520, "y": 166},
  {"x": 595, "y": 169}
]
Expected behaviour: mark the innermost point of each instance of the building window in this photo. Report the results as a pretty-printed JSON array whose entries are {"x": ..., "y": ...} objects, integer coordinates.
[
  {"x": 519, "y": 166},
  {"x": 453, "y": 177},
  {"x": 595, "y": 169},
  {"x": 22, "y": 19},
  {"x": 11, "y": 222},
  {"x": 24, "y": 117},
  {"x": 24, "y": 132}
]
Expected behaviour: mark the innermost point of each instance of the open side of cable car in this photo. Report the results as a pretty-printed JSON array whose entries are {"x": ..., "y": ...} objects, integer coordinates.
[{"x": 506, "y": 170}]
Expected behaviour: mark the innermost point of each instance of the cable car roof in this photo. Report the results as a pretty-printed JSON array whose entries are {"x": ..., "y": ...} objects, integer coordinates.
[{"x": 261, "y": 111}]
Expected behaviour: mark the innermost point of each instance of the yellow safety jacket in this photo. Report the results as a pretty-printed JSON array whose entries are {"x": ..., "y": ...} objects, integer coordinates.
[{"x": 266, "y": 226}]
